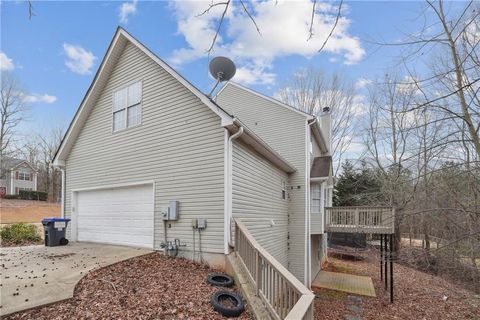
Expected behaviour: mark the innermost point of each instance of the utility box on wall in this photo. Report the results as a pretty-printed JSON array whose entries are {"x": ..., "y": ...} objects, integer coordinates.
[{"x": 171, "y": 212}]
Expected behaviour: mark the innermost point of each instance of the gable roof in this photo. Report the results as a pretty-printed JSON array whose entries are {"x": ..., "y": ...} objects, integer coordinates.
[
  {"x": 263, "y": 96},
  {"x": 12, "y": 163},
  {"x": 312, "y": 120},
  {"x": 120, "y": 39},
  {"x": 114, "y": 51}
]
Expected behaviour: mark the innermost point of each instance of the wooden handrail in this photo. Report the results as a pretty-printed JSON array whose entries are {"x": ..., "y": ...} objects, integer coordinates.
[{"x": 283, "y": 294}]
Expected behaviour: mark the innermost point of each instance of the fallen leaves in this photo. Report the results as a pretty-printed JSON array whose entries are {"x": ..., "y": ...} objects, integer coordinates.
[
  {"x": 148, "y": 287},
  {"x": 417, "y": 295}
]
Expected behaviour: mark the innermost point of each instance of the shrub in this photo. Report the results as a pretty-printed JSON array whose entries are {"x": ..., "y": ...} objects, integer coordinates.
[
  {"x": 11, "y": 196},
  {"x": 19, "y": 233},
  {"x": 33, "y": 195}
]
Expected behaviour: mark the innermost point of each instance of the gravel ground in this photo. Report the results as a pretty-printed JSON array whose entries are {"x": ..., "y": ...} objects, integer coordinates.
[
  {"x": 147, "y": 287},
  {"x": 418, "y": 295}
]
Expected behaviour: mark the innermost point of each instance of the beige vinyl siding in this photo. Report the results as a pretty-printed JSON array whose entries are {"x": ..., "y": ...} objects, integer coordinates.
[
  {"x": 286, "y": 132},
  {"x": 257, "y": 199},
  {"x": 179, "y": 145}
]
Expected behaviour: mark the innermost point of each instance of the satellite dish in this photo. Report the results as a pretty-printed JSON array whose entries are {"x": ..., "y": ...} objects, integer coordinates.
[{"x": 222, "y": 69}]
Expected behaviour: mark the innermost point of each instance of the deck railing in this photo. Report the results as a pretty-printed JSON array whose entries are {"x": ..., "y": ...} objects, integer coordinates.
[
  {"x": 284, "y": 296},
  {"x": 360, "y": 219}
]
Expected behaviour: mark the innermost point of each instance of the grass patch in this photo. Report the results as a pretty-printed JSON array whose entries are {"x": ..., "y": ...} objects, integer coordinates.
[{"x": 19, "y": 234}]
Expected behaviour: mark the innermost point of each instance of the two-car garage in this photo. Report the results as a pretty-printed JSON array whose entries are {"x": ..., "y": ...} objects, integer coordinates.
[{"x": 121, "y": 215}]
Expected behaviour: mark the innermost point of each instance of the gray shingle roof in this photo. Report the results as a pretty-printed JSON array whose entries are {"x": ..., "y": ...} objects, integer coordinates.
[{"x": 322, "y": 167}]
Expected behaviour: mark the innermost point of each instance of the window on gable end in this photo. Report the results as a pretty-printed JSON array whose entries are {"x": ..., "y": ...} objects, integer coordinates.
[{"x": 127, "y": 107}]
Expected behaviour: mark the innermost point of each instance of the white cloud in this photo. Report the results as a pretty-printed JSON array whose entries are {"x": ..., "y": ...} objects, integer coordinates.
[
  {"x": 356, "y": 147},
  {"x": 284, "y": 30},
  {"x": 359, "y": 105},
  {"x": 408, "y": 85},
  {"x": 6, "y": 64},
  {"x": 127, "y": 9},
  {"x": 362, "y": 83},
  {"x": 78, "y": 60},
  {"x": 43, "y": 98},
  {"x": 254, "y": 75}
]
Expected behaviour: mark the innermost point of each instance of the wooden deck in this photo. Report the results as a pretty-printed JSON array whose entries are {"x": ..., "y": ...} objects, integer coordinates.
[
  {"x": 377, "y": 220},
  {"x": 345, "y": 282}
]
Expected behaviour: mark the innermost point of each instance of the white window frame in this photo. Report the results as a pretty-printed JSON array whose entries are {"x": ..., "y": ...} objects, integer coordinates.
[
  {"x": 25, "y": 175},
  {"x": 127, "y": 106},
  {"x": 312, "y": 197}
]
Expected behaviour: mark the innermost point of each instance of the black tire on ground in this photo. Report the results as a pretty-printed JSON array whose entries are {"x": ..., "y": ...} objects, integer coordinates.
[
  {"x": 227, "y": 311},
  {"x": 63, "y": 242},
  {"x": 220, "y": 280}
]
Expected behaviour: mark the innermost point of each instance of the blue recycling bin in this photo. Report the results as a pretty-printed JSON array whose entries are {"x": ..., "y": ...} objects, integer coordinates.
[{"x": 54, "y": 231}]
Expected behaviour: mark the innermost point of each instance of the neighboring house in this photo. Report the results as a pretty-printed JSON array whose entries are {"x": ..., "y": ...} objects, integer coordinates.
[
  {"x": 17, "y": 175},
  {"x": 144, "y": 136}
]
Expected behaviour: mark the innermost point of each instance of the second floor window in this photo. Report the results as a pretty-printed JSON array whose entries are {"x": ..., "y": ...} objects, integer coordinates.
[
  {"x": 127, "y": 107},
  {"x": 23, "y": 176}
]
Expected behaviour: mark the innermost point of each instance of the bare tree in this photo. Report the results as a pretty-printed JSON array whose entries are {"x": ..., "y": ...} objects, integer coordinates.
[
  {"x": 452, "y": 84},
  {"x": 39, "y": 149},
  {"x": 387, "y": 140},
  {"x": 311, "y": 90},
  {"x": 12, "y": 112},
  {"x": 423, "y": 139}
]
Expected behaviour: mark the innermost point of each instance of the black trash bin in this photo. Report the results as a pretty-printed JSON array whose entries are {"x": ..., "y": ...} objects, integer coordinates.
[{"x": 54, "y": 231}]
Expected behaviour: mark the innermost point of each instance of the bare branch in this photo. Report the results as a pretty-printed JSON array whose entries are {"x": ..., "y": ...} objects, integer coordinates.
[{"x": 334, "y": 26}]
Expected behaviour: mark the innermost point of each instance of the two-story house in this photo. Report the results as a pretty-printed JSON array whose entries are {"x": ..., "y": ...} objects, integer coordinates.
[
  {"x": 151, "y": 161},
  {"x": 17, "y": 175}
]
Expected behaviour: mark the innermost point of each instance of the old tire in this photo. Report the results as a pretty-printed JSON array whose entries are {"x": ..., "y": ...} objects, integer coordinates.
[
  {"x": 63, "y": 242},
  {"x": 228, "y": 311},
  {"x": 220, "y": 280}
]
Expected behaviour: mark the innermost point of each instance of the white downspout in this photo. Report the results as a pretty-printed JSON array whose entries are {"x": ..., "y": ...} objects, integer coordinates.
[
  {"x": 11, "y": 182},
  {"x": 62, "y": 197},
  {"x": 308, "y": 163},
  {"x": 229, "y": 213}
]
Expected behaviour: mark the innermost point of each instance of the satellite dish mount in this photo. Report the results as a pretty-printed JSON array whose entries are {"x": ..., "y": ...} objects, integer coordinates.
[{"x": 222, "y": 69}]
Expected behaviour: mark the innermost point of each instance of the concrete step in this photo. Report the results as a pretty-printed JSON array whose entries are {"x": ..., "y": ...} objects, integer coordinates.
[{"x": 238, "y": 272}]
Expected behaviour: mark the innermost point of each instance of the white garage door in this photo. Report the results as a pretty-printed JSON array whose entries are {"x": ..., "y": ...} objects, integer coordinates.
[{"x": 122, "y": 216}]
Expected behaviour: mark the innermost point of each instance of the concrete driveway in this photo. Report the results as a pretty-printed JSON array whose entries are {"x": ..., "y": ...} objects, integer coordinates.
[{"x": 37, "y": 275}]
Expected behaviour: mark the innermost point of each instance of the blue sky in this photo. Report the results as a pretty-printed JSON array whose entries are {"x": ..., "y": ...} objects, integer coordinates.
[{"x": 56, "y": 53}]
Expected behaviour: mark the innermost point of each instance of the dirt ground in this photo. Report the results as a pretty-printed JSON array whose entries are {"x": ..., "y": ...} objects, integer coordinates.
[
  {"x": 418, "y": 295},
  {"x": 12, "y": 211},
  {"x": 147, "y": 287}
]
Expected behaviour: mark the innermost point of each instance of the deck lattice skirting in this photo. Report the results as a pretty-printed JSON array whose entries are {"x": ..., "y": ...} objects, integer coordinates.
[
  {"x": 283, "y": 295},
  {"x": 377, "y": 220}
]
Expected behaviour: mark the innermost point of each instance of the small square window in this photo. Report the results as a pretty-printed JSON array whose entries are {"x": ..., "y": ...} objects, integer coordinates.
[{"x": 284, "y": 190}]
